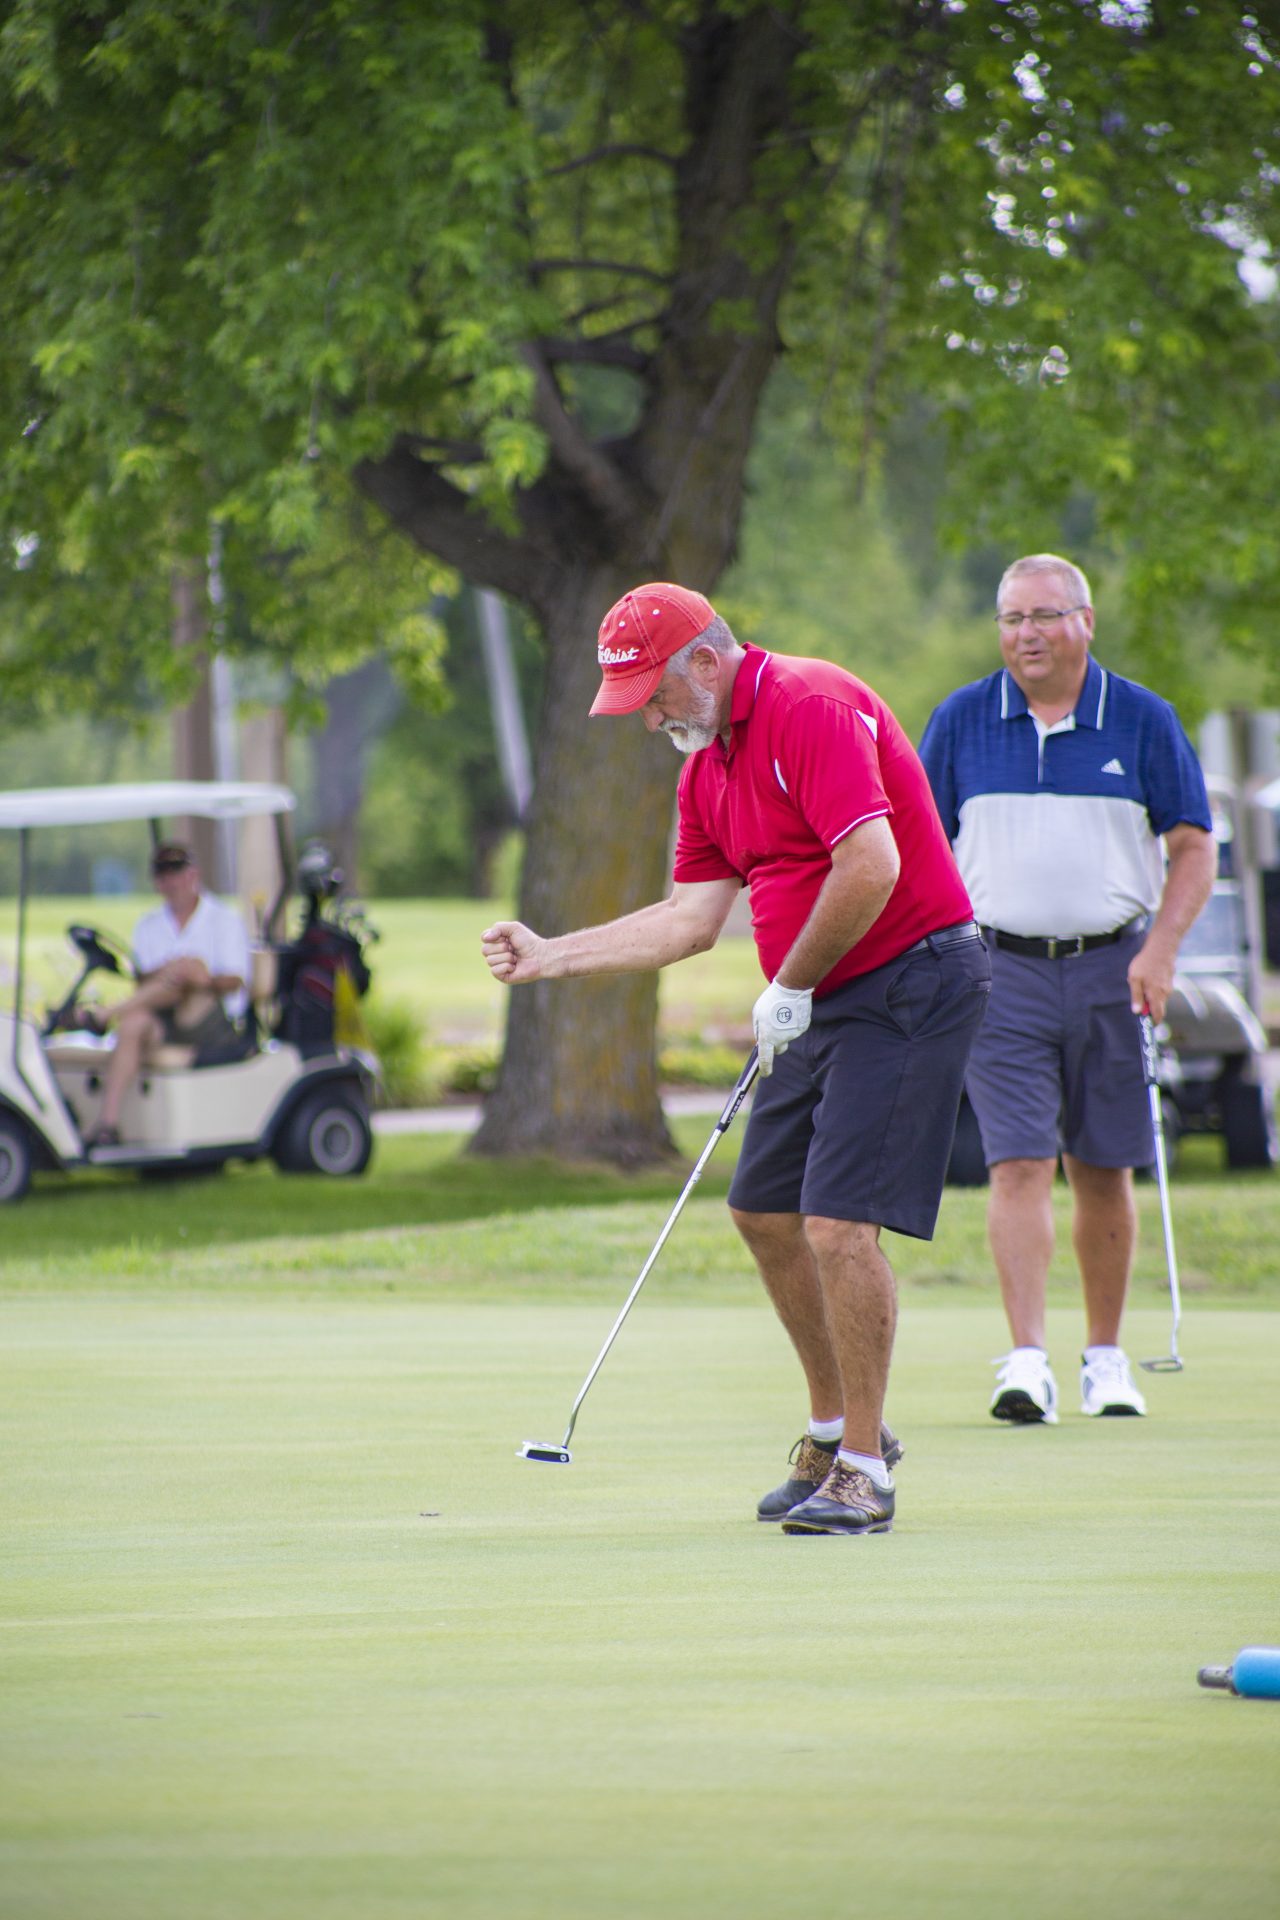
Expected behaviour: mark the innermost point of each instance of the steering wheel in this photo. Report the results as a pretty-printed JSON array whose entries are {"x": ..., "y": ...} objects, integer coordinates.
[{"x": 99, "y": 951}]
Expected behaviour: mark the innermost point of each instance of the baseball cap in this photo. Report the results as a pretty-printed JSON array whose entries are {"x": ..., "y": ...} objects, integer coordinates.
[
  {"x": 170, "y": 857},
  {"x": 638, "y": 636}
]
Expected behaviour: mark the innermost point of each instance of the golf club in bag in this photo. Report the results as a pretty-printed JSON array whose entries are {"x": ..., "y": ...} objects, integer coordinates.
[
  {"x": 1170, "y": 1362},
  {"x": 560, "y": 1455}
]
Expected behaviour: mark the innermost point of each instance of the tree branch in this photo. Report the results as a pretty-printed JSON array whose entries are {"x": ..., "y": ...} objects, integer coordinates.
[
  {"x": 617, "y": 150},
  {"x": 607, "y": 350},
  {"x": 439, "y": 518},
  {"x": 600, "y": 266},
  {"x": 593, "y": 472}
]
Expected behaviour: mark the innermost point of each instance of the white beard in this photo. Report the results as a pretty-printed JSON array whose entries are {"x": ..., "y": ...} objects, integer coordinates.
[
  {"x": 686, "y": 737},
  {"x": 698, "y": 730}
]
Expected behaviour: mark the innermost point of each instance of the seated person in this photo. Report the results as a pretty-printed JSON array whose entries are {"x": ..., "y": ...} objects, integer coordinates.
[{"x": 191, "y": 956}]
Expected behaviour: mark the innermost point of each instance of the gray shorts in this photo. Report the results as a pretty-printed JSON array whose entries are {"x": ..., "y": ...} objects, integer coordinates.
[
  {"x": 855, "y": 1121},
  {"x": 1057, "y": 1065}
]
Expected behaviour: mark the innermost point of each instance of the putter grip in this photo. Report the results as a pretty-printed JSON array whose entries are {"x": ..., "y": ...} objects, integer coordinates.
[
  {"x": 1254, "y": 1674},
  {"x": 746, "y": 1080}
]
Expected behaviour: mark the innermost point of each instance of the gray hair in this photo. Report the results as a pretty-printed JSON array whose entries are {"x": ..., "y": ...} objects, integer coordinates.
[
  {"x": 717, "y": 636},
  {"x": 1049, "y": 563}
]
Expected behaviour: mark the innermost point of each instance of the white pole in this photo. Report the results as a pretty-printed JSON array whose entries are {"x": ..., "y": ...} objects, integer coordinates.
[
  {"x": 222, "y": 712},
  {"x": 504, "y": 701}
]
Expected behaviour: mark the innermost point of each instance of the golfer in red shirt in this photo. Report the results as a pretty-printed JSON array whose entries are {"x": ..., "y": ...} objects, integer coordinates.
[{"x": 801, "y": 784}]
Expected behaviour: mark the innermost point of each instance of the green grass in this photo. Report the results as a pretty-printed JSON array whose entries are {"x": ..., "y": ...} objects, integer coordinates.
[
  {"x": 288, "y": 1633},
  {"x": 431, "y": 1219}
]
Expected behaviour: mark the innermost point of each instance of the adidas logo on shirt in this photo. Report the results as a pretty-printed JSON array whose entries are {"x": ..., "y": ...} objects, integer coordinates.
[{"x": 1113, "y": 766}]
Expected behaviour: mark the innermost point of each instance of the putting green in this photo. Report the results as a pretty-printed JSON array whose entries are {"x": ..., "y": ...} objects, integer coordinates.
[{"x": 290, "y": 1631}]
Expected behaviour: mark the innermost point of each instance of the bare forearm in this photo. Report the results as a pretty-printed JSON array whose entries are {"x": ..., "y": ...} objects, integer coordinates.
[
  {"x": 1188, "y": 884},
  {"x": 639, "y": 942},
  {"x": 1188, "y": 881},
  {"x": 687, "y": 922}
]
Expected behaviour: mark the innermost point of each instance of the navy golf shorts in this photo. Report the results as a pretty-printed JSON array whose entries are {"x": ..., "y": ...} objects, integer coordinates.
[
  {"x": 856, "y": 1120},
  {"x": 1058, "y": 1063}
]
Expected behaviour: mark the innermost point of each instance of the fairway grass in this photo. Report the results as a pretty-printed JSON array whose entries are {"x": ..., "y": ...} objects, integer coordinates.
[{"x": 290, "y": 1631}]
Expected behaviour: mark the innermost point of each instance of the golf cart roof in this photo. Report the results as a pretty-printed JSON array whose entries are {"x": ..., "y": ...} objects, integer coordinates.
[{"x": 148, "y": 800}]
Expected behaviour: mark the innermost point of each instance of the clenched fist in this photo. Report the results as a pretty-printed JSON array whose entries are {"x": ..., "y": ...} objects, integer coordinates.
[{"x": 512, "y": 952}]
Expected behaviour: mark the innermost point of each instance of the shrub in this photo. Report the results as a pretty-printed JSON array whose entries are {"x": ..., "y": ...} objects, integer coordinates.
[
  {"x": 397, "y": 1038},
  {"x": 688, "y": 1062}
]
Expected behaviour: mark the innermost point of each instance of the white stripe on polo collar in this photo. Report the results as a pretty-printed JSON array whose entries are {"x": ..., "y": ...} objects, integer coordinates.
[{"x": 1103, "y": 683}]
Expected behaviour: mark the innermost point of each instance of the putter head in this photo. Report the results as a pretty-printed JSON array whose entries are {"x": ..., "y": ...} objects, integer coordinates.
[
  {"x": 536, "y": 1450},
  {"x": 1168, "y": 1363}
]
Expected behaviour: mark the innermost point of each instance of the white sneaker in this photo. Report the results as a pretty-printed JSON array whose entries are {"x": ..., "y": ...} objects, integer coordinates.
[
  {"x": 1106, "y": 1385},
  {"x": 1025, "y": 1389}
]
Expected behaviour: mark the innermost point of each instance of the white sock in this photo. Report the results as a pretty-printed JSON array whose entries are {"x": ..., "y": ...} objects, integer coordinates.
[
  {"x": 870, "y": 1464},
  {"x": 827, "y": 1431},
  {"x": 1091, "y": 1354}
]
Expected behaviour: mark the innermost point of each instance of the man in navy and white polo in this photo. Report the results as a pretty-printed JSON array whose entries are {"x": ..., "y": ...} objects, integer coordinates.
[{"x": 1057, "y": 783}]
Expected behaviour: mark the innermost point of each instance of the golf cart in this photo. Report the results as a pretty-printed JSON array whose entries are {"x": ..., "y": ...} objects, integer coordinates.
[{"x": 292, "y": 1093}]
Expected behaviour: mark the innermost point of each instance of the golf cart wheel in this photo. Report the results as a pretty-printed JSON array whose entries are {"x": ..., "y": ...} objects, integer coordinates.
[
  {"x": 329, "y": 1133},
  {"x": 1248, "y": 1125},
  {"x": 15, "y": 1159}
]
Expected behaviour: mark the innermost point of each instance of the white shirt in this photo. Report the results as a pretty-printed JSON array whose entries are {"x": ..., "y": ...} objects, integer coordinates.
[{"x": 214, "y": 933}]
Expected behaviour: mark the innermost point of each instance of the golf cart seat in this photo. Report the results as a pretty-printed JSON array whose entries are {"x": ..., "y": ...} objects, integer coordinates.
[{"x": 77, "y": 1050}]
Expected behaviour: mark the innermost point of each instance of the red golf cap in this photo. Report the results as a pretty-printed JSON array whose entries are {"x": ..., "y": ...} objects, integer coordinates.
[{"x": 637, "y": 638}]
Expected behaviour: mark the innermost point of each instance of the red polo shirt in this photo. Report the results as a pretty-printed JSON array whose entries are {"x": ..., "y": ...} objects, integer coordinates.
[{"x": 814, "y": 753}]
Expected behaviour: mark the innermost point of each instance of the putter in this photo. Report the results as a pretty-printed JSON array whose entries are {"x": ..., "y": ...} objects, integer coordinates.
[
  {"x": 1170, "y": 1362},
  {"x": 560, "y": 1455}
]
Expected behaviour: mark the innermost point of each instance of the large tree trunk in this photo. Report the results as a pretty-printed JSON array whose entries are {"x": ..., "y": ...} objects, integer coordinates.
[{"x": 578, "y": 1076}]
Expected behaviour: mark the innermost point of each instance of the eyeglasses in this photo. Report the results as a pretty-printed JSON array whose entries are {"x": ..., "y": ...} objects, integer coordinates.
[{"x": 1038, "y": 616}]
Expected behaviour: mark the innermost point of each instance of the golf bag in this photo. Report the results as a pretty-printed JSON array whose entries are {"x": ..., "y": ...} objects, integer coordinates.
[
  {"x": 308, "y": 974},
  {"x": 327, "y": 957}
]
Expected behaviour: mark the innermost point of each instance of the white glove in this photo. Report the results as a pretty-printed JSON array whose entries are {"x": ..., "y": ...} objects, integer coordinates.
[{"x": 779, "y": 1016}]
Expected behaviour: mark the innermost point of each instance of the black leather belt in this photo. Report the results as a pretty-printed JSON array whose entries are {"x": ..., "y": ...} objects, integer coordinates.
[
  {"x": 943, "y": 938},
  {"x": 1057, "y": 947}
]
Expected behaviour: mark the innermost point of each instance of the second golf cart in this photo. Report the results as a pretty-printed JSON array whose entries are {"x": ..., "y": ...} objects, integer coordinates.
[{"x": 297, "y": 1094}]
